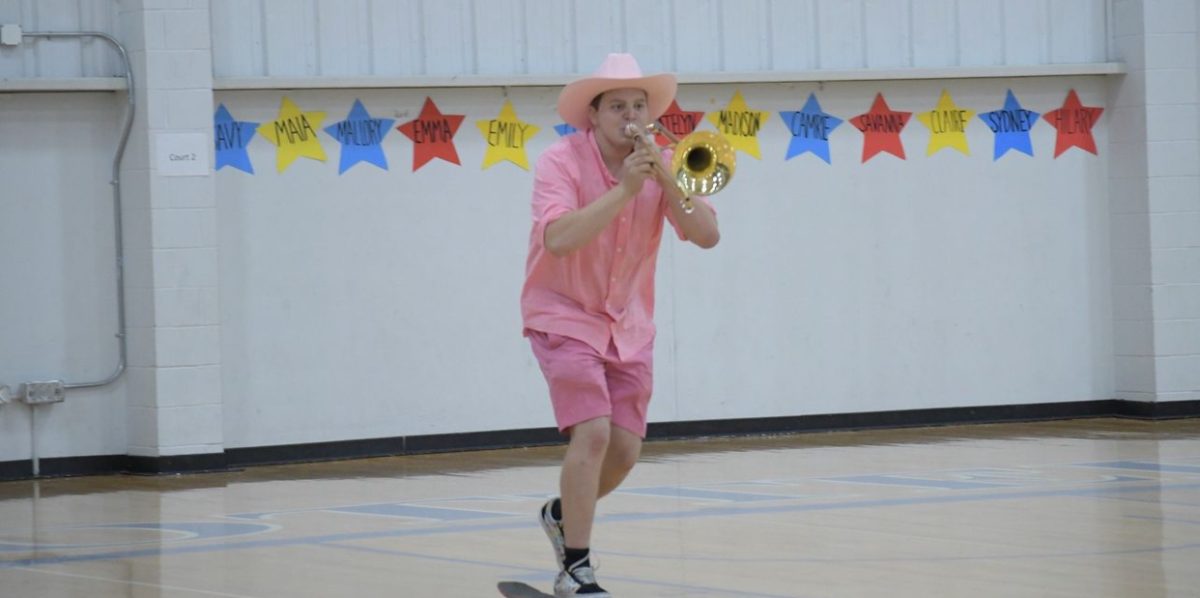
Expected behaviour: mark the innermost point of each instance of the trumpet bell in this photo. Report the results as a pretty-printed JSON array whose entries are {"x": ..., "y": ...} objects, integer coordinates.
[{"x": 703, "y": 164}]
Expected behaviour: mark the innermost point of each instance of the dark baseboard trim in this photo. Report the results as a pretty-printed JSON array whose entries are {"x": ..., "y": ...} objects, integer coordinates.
[
  {"x": 207, "y": 462},
  {"x": 883, "y": 419},
  {"x": 236, "y": 458},
  {"x": 387, "y": 447},
  {"x": 63, "y": 467},
  {"x": 1169, "y": 410}
]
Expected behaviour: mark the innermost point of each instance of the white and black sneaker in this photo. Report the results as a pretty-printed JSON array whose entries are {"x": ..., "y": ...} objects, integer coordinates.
[
  {"x": 578, "y": 580},
  {"x": 554, "y": 530}
]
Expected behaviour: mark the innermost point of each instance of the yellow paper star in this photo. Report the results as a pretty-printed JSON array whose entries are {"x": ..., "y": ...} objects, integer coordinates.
[
  {"x": 947, "y": 124},
  {"x": 506, "y": 136},
  {"x": 740, "y": 124},
  {"x": 294, "y": 133}
]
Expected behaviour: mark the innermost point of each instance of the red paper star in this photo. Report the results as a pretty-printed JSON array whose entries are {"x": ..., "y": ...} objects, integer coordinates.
[
  {"x": 432, "y": 134},
  {"x": 881, "y": 128},
  {"x": 1074, "y": 123},
  {"x": 679, "y": 122}
]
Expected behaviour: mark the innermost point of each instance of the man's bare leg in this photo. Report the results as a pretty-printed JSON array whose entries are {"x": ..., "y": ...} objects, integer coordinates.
[
  {"x": 580, "y": 479},
  {"x": 624, "y": 448}
]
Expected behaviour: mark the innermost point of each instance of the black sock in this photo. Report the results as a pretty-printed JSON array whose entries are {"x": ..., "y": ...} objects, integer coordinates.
[
  {"x": 574, "y": 556},
  {"x": 556, "y": 509}
]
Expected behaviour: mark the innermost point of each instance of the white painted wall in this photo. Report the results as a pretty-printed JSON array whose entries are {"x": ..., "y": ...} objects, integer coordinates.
[
  {"x": 57, "y": 267},
  {"x": 287, "y": 38},
  {"x": 1155, "y": 199},
  {"x": 379, "y": 304}
]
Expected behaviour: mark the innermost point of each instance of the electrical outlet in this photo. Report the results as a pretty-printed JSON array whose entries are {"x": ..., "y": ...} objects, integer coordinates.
[
  {"x": 10, "y": 35},
  {"x": 40, "y": 393}
]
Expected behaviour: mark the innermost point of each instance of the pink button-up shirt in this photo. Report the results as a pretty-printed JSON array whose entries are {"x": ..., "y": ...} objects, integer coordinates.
[{"x": 604, "y": 291}]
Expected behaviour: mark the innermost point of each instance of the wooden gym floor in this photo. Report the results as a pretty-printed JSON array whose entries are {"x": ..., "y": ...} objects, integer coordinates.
[{"x": 1094, "y": 507}]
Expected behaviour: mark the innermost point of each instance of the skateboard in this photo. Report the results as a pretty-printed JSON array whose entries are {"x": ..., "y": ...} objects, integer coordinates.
[{"x": 516, "y": 589}]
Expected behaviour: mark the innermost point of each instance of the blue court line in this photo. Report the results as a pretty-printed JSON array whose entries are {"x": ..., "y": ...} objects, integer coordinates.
[
  {"x": 921, "y": 559},
  {"x": 896, "y": 480},
  {"x": 1165, "y": 519},
  {"x": 512, "y": 525},
  {"x": 1151, "y": 501},
  {"x": 701, "y": 494},
  {"x": 543, "y": 576},
  {"x": 195, "y": 530},
  {"x": 392, "y": 509},
  {"x": 419, "y": 512},
  {"x": 1145, "y": 466}
]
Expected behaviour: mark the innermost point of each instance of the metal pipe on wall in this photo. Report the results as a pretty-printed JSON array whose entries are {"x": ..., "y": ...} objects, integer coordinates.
[
  {"x": 131, "y": 106},
  {"x": 127, "y": 125}
]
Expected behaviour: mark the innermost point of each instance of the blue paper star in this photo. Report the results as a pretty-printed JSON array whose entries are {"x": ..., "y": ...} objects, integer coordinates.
[
  {"x": 361, "y": 137},
  {"x": 810, "y": 128},
  {"x": 231, "y": 138},
  {"x": 1011, "y": 125},
  {"x": 564, "y": 129}
]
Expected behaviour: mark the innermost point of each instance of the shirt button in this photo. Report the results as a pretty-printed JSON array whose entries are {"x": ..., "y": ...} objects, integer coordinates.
[
  {"x": 619, "y": 250},
  {"x": 622, "y": 219}
]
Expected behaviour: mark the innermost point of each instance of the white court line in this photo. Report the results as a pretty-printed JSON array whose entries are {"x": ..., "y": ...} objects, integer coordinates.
[{"x": 131, "y": 583}]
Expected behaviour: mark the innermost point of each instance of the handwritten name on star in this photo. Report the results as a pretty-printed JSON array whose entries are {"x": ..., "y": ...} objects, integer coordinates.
[
  {"x": 810, "y": 126},
  {"x": 881, "y": 123},
  {"x": 296, "y": 128},
  {"x": 436, "y": 130},
  {"x": 365, "y": 132},
  {"x": 948, "y": 121},
  {"x": 231, "y": 135},
  {"x": 509, "y": 135},
  {"x": 1077, "y": 121},
  {"x": 739, "y": 122},
  {"x": 1010, "y": 121},
  {"x": 681, "y": 123}
]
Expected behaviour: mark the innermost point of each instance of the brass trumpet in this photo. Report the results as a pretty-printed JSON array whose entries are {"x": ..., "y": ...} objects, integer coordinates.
[{"x": 703, "y": 163}]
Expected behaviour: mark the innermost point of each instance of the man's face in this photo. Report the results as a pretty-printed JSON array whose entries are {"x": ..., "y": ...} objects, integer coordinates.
[{"x": 617, "y": 109}]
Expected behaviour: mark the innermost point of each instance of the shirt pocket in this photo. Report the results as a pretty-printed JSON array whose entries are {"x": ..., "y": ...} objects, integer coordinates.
[
  {"x": 557, "y": 340},
  {"x": 550, "y": 340}
]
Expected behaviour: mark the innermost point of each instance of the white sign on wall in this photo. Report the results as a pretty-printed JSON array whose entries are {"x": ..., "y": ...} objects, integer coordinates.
[{"x": 182, "y": 154}]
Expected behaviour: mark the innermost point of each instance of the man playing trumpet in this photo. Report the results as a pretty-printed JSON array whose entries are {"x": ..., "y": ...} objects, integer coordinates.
[{"x": 600, "y": 199}]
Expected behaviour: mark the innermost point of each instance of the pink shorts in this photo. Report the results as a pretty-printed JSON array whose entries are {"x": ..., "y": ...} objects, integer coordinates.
[{"x": 585, "y": 385}]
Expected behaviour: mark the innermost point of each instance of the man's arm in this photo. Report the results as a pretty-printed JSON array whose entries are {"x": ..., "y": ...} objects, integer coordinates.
[
  {"x": 699, "y": 227},
  {"x": 576, "y": 229}
]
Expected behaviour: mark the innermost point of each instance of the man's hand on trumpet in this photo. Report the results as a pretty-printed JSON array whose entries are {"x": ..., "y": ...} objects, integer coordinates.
[
  {"x": 643, "y": 162},
  {"x": 647, "y": 154},
  {"x": 699, "y": 224}
]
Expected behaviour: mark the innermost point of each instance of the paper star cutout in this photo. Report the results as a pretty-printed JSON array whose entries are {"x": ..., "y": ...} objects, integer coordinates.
[
  {"x": 361, "y": 136},
  {"x": 432, "y": 134},
  {"x": 810, "y": 128},
  {"x": 231, "y": 137},
  {"x": 294, "y": 133},
  {"x": 506, "y": 136},
  {"x": 881, "y": 128},
  {"x": 679, "y": 122},
  {"x": 1011, "y": 124},
  {"x": 564, "y": 129},
  {"x": 1074, "y": 123},
  {"x": 740, "y": 124},
  {"x": 947, "y": 124}
]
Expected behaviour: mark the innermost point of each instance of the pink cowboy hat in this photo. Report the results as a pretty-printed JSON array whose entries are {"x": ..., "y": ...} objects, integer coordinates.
[{"x": 618, "y": 71}]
